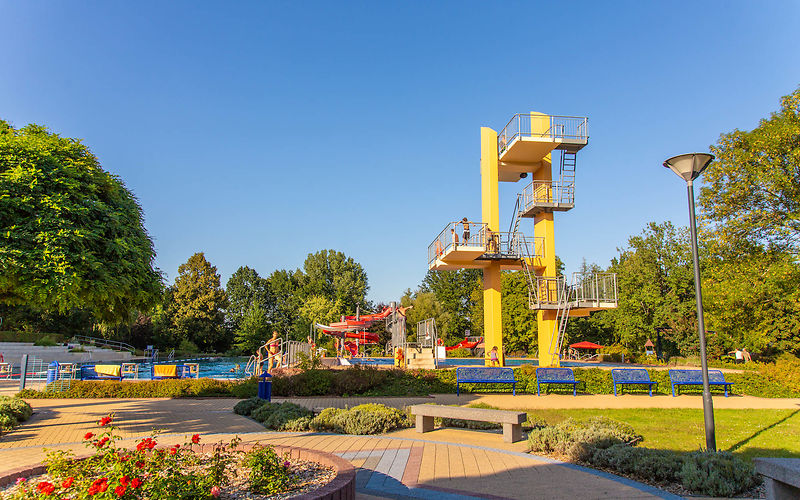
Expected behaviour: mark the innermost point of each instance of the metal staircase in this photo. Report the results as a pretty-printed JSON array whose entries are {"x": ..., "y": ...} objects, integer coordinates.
[
  {"x": 565, "y": 301},
  {"x": 566, "y": 193}
]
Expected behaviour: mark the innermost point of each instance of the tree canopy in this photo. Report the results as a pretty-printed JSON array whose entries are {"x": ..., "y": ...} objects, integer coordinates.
[
  {"x": 199, "y": 303},
  {"x": 71, "y": 234},
  {"x": 751, "y": 192}
]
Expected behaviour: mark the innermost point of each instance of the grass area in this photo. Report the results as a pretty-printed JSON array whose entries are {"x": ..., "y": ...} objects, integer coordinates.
[{"x": 749, "y": 433}]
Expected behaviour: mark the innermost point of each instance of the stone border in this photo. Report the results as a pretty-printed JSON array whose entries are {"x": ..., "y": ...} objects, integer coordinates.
[{"x": 342, "y": 487}]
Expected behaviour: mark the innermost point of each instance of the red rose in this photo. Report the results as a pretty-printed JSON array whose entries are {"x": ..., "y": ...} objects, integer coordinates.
[
  {"x": 104, "y": 421},
  {"x": 135, "y": 483},
  {"x": 89, "y": 435},
  {"x": 46, "y": 488},
  {"x": 101, "y": 442},
  {"x": 196, "y": 438},
  {"x": 124, "y": 480},
  {"x": 140, "y": 464},
  {"x": 67, "y": 482},
  {"x": 120, "y": 490}
]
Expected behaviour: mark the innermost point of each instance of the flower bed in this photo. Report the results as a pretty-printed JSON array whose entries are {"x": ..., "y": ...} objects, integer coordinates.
[{"x": 189, "y": 471}]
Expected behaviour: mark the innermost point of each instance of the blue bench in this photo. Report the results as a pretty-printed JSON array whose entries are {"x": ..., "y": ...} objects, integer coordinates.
[
  {"x": 556, "y": 376},
  {"x": 624, "y": 376},
  {"x": 88, "y": 372},
  {"x": 485, "y": 375},
  {"x": 695, "y": 377}
]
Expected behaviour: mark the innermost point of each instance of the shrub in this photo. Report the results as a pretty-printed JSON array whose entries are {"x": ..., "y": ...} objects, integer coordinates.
[
  {"x": 178, "y": 388},
  {"x": 577, "y": 439},
  {"x": 716, "y": 473},
  {"x": 361, "y": 419},
  {"x": 269, "y": 473},
  {"x": 12, "y": 412},
  {"x": 46, "y": 341},
  {"x": 283, "y": 416},
  {"x": 247, "y": 406},
  {"x": 644, "y": 463},
  {"x": 459, "y": 352}
]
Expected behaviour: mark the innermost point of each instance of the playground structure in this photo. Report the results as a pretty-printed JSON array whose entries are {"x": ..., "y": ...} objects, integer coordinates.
[
  {"x": 352, "y": 330},
  {"x": 525, "y": 147},
  {"x": 471, "y": 343}
]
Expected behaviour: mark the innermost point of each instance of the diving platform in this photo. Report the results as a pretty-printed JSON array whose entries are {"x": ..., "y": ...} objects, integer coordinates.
[
  {"x": 588, "y": 292},
  {"x": 474, "y": 246},
  {"x": 528, "y": 138}
]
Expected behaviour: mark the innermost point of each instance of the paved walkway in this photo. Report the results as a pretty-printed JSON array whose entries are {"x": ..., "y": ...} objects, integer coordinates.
[{"x": 449, "y": 464}]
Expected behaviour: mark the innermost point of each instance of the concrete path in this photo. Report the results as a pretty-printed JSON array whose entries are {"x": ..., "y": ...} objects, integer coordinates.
[{"x": 449, "y": 464}]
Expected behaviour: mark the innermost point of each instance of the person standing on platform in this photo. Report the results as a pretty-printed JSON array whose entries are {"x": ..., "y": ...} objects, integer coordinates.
[{"x": 465, "y": 222}]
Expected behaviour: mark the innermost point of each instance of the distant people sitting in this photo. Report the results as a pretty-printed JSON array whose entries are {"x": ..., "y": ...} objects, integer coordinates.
[{"x": 746, "y": 356}]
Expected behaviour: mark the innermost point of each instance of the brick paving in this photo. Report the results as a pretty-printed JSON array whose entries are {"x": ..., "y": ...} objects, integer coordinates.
[{"x": 449, "y": 464}]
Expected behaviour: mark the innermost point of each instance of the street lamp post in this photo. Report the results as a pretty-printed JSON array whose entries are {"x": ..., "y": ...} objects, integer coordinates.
[{"x": 689, "y": 167}]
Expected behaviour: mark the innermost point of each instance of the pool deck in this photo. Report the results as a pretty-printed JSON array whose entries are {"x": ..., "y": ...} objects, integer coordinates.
[{"x": 450, "y": 464}]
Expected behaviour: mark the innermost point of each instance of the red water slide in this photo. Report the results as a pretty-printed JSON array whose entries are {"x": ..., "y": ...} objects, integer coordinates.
[
  {"x": 354, "y": 327},
  {"x": 465, "y": 344}
]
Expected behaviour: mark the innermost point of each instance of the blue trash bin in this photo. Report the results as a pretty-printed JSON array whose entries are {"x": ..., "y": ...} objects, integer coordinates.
[
  {"x": 265, "y": 386},
  {"x": 52, "y": 372}
]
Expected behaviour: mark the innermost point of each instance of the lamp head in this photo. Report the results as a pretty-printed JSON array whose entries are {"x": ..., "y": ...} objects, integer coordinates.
[{"x": 689, "y": 166}]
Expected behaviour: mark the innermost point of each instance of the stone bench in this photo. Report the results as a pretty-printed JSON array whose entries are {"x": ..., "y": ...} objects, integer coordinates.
[
  {"x": 511, "y": 420},
  {"x": 781, "y": 475}
]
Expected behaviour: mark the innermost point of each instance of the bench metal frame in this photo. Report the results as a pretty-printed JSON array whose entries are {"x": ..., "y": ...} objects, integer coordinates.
[
  {"x": 463, "y": 377},
  {"x": 544, "y": 380},
  {"x": 716, "y": 373},
  {"x": 648, "y": 382},
  {"x": 87, "y": 372}
]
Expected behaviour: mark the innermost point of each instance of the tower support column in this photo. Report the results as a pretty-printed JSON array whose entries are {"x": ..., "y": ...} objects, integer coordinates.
[{"x": 490, "y": 207}]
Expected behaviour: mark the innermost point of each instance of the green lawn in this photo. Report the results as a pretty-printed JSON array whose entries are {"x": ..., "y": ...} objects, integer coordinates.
[{"x": 750, "y": 433}]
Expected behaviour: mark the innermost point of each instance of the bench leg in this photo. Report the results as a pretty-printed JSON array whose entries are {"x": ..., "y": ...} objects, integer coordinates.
[
  {"x": 457, "y": 391},
  {"x": 651, "y": 391},
  {"x": 537, "y": 389},
  {"x": 615, "y": 389},
  {"x": 574, "y": 389},
  {"x": 512, "y": 433},
  {"x": 673, "y": 390},
  {"x": 424, "y": 424}
]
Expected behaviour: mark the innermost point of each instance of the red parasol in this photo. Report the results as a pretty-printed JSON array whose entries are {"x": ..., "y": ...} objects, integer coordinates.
[{"x": 586, "y": 345}]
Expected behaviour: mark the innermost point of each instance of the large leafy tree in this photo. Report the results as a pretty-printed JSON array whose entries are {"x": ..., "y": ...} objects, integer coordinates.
[
  {"x": 71, "y": 234},
  {"x": 425, "y": 305},
  {"x": 339, "y": 278},
  {"x": 245, "y": 289},
  {"x": 287, "y": 297},
  {"x": 752, "y": 192},
  {"x": 656, "y": 289},
  {"x": 453, "y": 290},
  {"x": 199, "y": 303}
]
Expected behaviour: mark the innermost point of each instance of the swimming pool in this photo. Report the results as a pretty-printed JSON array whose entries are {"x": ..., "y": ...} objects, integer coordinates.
[{"x": 221, "y": 368}]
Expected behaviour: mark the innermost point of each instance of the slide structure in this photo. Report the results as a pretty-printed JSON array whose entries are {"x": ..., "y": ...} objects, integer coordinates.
[
  {"x": 354, "y": 327},
  {"x": 467, "y": 343}
]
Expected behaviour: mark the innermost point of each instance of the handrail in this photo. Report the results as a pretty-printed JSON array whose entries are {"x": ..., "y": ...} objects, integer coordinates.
[
  {"x": 122, "y": 346},
  {"x": 455, "y": 234},
  {"x": 547, "y": 126},
  {"x": 546, "y": 192}
]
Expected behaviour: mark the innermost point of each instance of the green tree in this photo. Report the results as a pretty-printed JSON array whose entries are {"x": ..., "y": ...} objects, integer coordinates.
[
  {"x": 519, "y": 320},
  {"x": 245, "y": 289},
  {"x": 253, "y": 329},
  {"x": 71, "y": 234},
  {"x": 334, "y": 275},
  {"x": 751, "y": 192},
  {"x": 753, "y": 301},
  {"x": 199, "y": 304},
  {"x": 425, "y": 305},
  {"x": 656, "y": 289},
  {"x": 287, "y": 297},
  {"x": 453, "y": 290}
]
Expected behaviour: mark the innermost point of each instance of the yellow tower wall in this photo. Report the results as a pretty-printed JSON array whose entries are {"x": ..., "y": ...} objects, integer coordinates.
[
  {"x": 490, "y": 205},
  {"x": 543, "y": 226}
]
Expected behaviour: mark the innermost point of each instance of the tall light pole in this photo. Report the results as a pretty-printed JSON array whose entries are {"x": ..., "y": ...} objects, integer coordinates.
[{"x": 689, "y": 167}]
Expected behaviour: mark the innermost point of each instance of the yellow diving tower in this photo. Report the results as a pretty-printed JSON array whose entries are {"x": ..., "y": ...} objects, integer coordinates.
[{"x": 525, "y": 147}]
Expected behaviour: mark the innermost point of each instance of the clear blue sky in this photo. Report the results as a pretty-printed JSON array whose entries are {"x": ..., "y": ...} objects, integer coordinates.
[{"x": 258, "y": 132}]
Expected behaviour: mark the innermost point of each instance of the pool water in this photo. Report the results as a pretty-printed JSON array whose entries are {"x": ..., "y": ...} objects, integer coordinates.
[{"x": 225, "y": 368}]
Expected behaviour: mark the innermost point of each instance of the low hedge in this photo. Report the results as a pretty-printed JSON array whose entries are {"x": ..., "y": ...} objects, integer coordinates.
[
  {"x": 609, "y": 444},
  {"x": 361, "y": 419},
  {"x": 772, "y": 381},
  {"x": 13, "y": 411}
]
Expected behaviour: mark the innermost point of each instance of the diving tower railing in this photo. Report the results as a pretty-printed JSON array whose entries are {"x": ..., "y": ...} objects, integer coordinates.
[
  {"x": 489, "y": 245},
  {"x": 597, "y": 290},
  {"x": 546, "y": 194},
  {"x": 569, "y": 128}
]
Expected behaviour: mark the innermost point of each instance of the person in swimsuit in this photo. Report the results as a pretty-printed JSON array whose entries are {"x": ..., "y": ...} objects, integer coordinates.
[
  {"x": 493, "y": 359},
  {"x": 465, "y": 222}
]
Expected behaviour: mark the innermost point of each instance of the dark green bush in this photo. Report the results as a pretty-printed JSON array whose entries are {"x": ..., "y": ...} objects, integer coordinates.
[
  {"x": 643, "y": 463},
  {"x": 283, "y": 416},
  {"x": 718, "y": 474},
  {"x": 247, "y": 406},
  {"x": 12, "y": 412},
  {"x": 361, "y": 419},
  {"x": 577, "y": 439},
  {"x": 178, "y": 388}
]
